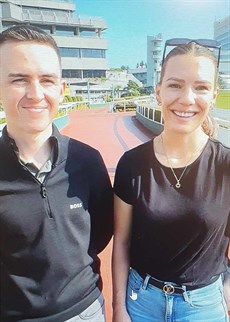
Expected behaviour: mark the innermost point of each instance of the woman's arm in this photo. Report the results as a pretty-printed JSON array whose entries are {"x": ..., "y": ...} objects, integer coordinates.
[
  {"x": 227, "y": 283},
  {"x": 227, "y": 288},
  {"x": 120, "y": 258}
]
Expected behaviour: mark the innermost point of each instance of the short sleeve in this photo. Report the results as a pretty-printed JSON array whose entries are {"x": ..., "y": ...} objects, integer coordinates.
[
  {"x": 227, "y": 230},
  {"x": 123, "y": 180}
]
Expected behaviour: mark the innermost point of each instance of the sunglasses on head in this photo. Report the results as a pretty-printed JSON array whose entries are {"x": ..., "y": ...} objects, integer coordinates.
[{"x": 209, "y": 43}]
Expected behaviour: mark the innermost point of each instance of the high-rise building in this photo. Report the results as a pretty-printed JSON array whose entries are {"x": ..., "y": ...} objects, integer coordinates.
[
  {"x": 222, "y": 34},
  {"x": 153, "y": 59},
  {"x": 80, "y": 39}
]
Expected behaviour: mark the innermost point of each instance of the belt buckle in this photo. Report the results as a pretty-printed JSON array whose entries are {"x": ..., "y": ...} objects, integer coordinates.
[{"x": 168, "y": 288}]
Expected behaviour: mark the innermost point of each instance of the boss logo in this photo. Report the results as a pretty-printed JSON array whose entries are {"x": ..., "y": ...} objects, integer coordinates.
[{"x": 75, "y": 205}]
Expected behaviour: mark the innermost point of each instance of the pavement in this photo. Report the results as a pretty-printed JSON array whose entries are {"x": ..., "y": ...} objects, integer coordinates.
[{"x": 112, "y": 134}]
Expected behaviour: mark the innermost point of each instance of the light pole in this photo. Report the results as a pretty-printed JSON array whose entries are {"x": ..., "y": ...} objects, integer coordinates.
[{"x": 88, "y": 91}]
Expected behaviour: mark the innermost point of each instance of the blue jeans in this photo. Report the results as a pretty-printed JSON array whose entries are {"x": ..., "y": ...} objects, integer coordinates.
[
  {"x": 147, "y": 303},
  {"x": 94, "y": 313}
]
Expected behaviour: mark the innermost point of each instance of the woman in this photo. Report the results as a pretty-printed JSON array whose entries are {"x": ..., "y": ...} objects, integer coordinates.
[{"x": 172, "y": 205}]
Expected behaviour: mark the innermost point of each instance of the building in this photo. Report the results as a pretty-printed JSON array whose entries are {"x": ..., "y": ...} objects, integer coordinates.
[
  {"x": 222, "y": 34},
  {"x": 150, "y": 75},
  {"x": 140, "y": 73},
  {"x": 81, "y": 42},
  {"x": 113, "y": 85},
  {"x": 153, "y": 59}
]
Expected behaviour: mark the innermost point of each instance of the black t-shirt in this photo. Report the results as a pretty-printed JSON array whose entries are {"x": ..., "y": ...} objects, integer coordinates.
[{"x": 178, "y": 235}]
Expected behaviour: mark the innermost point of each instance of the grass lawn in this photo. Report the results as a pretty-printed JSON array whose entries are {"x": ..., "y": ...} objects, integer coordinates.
[{"x": 223, "y": 100}]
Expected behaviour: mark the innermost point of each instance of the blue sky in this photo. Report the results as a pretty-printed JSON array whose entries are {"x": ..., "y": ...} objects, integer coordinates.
[{"x": 131, "y": 21}]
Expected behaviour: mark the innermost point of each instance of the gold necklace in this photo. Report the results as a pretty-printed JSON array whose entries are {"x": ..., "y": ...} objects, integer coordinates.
[{"x": 178, "y": 184}]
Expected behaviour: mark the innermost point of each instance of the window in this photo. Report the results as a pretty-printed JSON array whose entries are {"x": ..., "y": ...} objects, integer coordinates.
[
  {"x": 71, "y": 73},
  {"x": 93, "y": 53},
  {"x": 156, "y": 52},
  {"x": 70, "y": 52},
  {"x": 87, "y": 33},
  {"x": 226, "y": 47},
  {"x": 93, "y": 73},
  {"x": 223, "y": 36},
  {"x": 64, "y": 31}
]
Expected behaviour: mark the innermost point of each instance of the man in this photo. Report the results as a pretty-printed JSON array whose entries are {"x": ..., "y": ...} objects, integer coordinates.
[{"x": 55, "y": 193}]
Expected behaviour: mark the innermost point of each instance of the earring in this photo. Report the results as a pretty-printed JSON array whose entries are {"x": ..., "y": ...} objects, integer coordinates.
[{"x": 159, "y": 103}]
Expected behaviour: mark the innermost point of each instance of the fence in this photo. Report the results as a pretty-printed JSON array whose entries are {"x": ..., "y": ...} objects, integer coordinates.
[{"x": 151, "y": 118}]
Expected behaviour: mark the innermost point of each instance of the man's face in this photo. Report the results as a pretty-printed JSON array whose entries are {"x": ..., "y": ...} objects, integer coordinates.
[{"x": 30, "y": 86}]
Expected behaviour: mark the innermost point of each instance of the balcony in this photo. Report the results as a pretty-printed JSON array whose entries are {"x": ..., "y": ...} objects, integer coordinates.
[
  {"x": 52, "y": 17},
  {"x": 13, "y": 12}
]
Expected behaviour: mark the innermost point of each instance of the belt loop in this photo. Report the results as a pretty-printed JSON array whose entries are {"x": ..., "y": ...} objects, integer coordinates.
[
  {"x": 146, "y": 281},
  {"x": 185, "y": 294},
  {"x": 184, "y": 288},
  {"x": 186, "y": 297}
]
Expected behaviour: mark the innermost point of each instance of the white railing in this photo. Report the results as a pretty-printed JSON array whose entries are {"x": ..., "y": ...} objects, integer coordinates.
[
  {"x": 62, "y": 17},
  {"x": 223, "y": 130},
  {"x": 1, "y": 128},
  {"x": 150, "y": 116}
]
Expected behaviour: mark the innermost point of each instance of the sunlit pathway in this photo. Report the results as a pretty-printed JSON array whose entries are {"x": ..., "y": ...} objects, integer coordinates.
[{"x": 112, "y": 134}]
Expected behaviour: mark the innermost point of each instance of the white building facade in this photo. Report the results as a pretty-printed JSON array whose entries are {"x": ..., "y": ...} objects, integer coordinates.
[
  {"x": 222, "y": 34},
  {"x": 154, "y": 44},
  {"x": 81, "y": 42}
]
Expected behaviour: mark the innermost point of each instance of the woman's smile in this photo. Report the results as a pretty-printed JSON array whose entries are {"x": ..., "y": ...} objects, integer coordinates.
[{"x": 184, "y": 114}]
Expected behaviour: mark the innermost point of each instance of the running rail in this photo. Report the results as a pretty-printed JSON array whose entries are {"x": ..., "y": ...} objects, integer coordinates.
[{"x": 151, "y": 117}]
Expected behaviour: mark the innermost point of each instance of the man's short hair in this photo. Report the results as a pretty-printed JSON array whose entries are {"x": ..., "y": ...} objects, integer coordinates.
[{"x": 26, "y": 32}]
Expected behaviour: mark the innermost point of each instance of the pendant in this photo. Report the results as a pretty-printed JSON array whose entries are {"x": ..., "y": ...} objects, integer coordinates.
[{"x": 178, "y": 185}]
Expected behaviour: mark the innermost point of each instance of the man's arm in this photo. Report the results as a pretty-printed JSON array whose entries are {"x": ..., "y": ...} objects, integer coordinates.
[{"x": 101, "y": 204}]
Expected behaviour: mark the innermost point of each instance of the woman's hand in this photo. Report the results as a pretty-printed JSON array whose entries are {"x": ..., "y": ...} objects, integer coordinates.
[
  {"x": 120, "y": 314},
  {"x": 227, "y": 291}
]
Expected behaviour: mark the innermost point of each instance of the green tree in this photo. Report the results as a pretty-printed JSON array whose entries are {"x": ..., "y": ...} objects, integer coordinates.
[
  {"x": 132, "y": 89},
  {"x": 142, "y": 64},
  {"x": 117, "y": 90},
  {"x": 221, "y": 83},
  {"x": 146, "y": 90},
  {"x": 123, "y": 67}
]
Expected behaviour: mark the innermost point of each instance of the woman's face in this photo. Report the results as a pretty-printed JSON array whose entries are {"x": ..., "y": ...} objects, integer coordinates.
[{"x": 186, "y": 93}]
